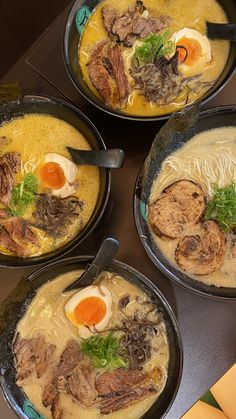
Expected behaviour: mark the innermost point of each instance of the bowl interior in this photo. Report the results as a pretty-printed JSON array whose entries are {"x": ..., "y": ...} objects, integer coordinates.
[
  {"x": 212, "y": 118},
  {"x": 76, "y": 21},
  {"x": 12, "y": 310},
  {"x": 71, "y": 115}
]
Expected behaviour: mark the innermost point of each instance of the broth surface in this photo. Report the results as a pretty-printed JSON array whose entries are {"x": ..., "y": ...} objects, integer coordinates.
[
  {"x": 208, "y": 158},
  {"x": 183, "y": 13},
  {"x": 46, "y": 315},
  {"x": 36, "y": 135}
]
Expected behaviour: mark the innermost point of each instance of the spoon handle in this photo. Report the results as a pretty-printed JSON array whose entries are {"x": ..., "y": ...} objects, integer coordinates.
[
  {"x": 104, "y": 256},
  {"x": 225, "y": 31},
  {"x": 110, "y": 159}
]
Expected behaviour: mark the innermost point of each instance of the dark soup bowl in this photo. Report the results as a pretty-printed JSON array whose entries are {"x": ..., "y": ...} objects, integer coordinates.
[
  {"x": 213, "y": 118},
  {"x": 76, "y": 21},
  {"x": 14, "y": 307},
  {"x": 68, "y": 113}
]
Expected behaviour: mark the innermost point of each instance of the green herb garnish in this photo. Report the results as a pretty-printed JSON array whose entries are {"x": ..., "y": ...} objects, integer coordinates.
[
  {"x": 23, "y": 195},
  {"x": 154, "y": 46},
  {"x": 222, "y": 208},
  {"x": 104, "y": 351}
]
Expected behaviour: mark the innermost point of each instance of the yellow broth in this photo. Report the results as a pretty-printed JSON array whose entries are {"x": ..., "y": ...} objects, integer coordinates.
[
  {"x": 183, "y": 13},
  {"x": 46, "y": 315},
  {"x": 34, "y": 136}
]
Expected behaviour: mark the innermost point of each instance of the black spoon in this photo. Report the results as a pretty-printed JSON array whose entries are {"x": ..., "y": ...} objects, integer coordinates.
[
  {"x": 103, "y": 258},
  {"x": 110, "y": 159},
  {"x": 225, "y": 31}
]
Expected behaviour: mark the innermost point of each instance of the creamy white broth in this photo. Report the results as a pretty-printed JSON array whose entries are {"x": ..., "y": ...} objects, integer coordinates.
[
  {"x": 208, "y": 158},
  {"x": 45, "y": 315}
]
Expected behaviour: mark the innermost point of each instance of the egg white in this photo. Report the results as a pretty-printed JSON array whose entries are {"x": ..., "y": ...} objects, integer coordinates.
[
  {"x": 93, "y": 291},
  {"x": 70, "y": 171},
  {"x": 206, "y": 56}
]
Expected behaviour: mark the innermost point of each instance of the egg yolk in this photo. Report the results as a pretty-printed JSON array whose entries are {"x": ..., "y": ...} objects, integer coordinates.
[
  {"x": 90, "y": 311},
  {"x": 52, "y": 175},
  {"x": 194, "y": 50}
]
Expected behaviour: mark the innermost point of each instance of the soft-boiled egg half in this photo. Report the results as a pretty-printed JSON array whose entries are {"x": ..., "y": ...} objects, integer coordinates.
[
  {"x": 59, "y": 175},
  {"x": 194, "y": 51},
  {"x": 90, "y": 308}
]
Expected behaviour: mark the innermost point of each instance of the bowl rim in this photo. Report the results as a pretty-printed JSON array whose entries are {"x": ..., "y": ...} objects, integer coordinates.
[
  {"x": 105, "y": 108},
  {"x": 61, "y": 252},
  {"x": 141, "y": 278},
  {"x": 166, "y": 270}
]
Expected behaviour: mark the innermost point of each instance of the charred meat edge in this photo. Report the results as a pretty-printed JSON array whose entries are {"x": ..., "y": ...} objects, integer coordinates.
[
  {"x": 202, "y": 254},
  {"x": 32, "y": 356},
  {"x": 15, "y": 235},
  {"x": 184, "y": 200},
  {"x": 10, "y": 163},
  {"x": 131, "y": 25},
  {"x": 107, "y": 74}
]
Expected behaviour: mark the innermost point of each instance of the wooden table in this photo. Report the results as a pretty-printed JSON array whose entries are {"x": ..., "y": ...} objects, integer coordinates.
[{"x": 207, "y": 327}]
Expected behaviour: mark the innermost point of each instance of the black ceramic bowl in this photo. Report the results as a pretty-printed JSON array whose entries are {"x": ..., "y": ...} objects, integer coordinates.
[
  {"x": 76, "y": 21},
  {"x": 12, "y": 310},
  {"x": 212, "y": 118},
  {"x": 74, "y": 117}
]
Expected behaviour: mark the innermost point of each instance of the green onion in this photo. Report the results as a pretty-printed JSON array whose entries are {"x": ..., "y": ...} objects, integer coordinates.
[
  {"x": 222, "y": 208},
  {"x": 104, "y": 351},
  {"x": 23, "y": 195},
  {"x": 154, "y": 46}
]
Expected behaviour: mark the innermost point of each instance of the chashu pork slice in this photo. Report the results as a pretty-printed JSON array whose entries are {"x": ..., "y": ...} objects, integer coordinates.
[
  {"x": 131, "y": 25},
  {"x": 33, "y": 355},
  {"x": 106, "y": 70},
  {"x": 120, "y": 388},
  {"x": 98, "y": 74},
  {"x": 204, "y": 253},
  {"x": 9, "y": 165},
  {"x": 181, "y": 203}
]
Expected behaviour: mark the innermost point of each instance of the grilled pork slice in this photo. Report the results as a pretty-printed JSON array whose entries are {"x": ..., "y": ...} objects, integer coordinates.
[
  {"x": 120, "y": 401},
  {"x": 73, "y": 376},
  {"x": 7, "y": 242},
  {"x": 9, "y": 165},
  {"x": 121, "y": 388},
  {"x": 166, "y": 218},
  {"x": 32, "y": 355},
  {"x": 19, "y": 229},
  {"x": 68, "y": 361},
  {"x": 109, "y": 15},
  {"x": 181, "y": 203},
  {"x": 107, "y": 74},
  {"x": 99, "y": 75},
  {"x": 81, "y": 385},
  {"x": 204, "y": 253},
  {"x": 118, "y": 72},
  {"x": 119, "y": 380},
  {"x": 16, "y": 235},
  {"x": 131, "y": 25}
]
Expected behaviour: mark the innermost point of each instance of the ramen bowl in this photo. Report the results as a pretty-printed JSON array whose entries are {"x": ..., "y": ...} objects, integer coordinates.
[
  {"x": 76, "y": 21},
  {"x": 210, "y": 119},
  {"x": 13, "y": 309},
  {"x": 64, "y": 112}
]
